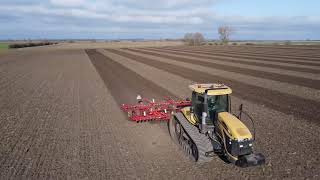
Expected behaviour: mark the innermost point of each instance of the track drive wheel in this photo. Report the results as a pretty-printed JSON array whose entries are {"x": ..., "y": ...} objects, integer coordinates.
[{"x": 174, "y": 130}]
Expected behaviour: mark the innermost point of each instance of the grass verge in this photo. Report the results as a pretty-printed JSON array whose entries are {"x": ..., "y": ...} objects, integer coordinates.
[{"x": 3, "y": 47}]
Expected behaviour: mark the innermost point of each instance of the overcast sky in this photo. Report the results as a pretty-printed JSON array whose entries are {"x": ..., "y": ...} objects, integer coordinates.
[{"x": 154, "y": 19}]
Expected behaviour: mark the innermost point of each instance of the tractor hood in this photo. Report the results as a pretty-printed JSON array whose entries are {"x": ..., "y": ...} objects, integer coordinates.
[{"x": 234, "y": 126}]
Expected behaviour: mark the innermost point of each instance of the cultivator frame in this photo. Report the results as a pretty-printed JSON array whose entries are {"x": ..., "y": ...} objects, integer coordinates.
[{"x": 149, "y": 110}]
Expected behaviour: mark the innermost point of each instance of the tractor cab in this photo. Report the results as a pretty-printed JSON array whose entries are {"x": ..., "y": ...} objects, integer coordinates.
[{"x": 208, "y": 100}]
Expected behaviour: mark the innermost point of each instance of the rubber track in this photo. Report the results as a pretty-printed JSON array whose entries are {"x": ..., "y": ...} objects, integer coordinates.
[
  {"x": 289, "y": 104},
  {"x": 267, "y": 75},
  {"x": 194, "y": 54},
  {"x": 202, "y": 141}
]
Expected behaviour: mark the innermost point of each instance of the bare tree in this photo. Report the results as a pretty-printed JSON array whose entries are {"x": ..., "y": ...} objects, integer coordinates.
[
  {"x": 194, "y": 39},
  {"x": 225, "y": 32},
  {"x": 198, "y": 39},
  {"x": 188, "y": 38}
]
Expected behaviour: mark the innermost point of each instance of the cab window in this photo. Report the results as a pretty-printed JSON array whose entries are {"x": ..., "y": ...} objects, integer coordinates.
[{"x": 217, "y": 104}]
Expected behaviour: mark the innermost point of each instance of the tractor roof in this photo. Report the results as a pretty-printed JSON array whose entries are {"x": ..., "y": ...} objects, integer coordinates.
[{"x": 211, "y": 89}]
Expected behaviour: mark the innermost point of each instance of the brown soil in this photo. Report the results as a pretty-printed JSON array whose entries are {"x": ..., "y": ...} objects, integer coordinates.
[
  {"x": 227, "y": 58},
  {"x": 273, "y": 53},
  {"x": 282, "y": 102},
  {"x": 60, "y": 118},
  {"x": 278, "y": 77}
]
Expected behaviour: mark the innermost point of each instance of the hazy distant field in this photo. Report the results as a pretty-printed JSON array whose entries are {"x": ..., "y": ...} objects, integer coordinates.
[{"x": 97, "y": 45}]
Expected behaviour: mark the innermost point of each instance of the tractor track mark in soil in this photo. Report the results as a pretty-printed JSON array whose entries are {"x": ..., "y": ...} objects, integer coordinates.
[
  {"x": 201, "y": 55},
  {"x": 278, "y": 77},
  {"x": 289, "y": 104}
]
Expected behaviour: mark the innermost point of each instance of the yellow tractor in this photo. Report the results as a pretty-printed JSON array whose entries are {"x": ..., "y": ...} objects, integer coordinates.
[{"x": 208, "y": 128}]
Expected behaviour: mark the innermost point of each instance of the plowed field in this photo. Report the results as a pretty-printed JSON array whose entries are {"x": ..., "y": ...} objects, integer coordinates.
[{"x": 60, "y": 116}]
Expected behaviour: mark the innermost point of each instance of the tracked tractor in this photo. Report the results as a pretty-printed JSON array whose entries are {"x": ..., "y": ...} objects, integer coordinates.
[
  {"x": 204, "y": 127},
  {"x": 207, "y": 128}
]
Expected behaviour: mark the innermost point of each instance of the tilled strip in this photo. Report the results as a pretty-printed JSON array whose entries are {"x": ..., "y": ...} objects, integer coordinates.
[
  {"x": 267, "y": 54},
  {"x": 292, "y": 89},
  {"x": 215, "y": 165},
  {"x": 278, "y": 65},
  {"x": 263, "y": 49},
  {"x": 270, "y": 54},
  {"x": 249, "y": 57},
  {"x": 128, "y": 82},
  {"x": 112, "y": 74},
  {"x": 238, "y": 63},
  {"x": 278, "y": 77},
  {"x": 268, "y": 140},
  {"x": 286, "y": 103},
  {"x": 310, "y": 53}
]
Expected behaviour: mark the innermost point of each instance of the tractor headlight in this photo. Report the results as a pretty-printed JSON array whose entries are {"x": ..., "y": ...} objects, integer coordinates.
[{"x": 238, "y": 147}]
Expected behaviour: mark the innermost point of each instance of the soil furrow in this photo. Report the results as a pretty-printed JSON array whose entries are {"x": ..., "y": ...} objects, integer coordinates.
[
  {"x": 286, "y": 88},
  {"x": 29, "y": 127},
  {"x": 269, "y": 124},
  {"x": 239, "y": 64},
  {"x": 273, "y": 51},
  {"x": 298, "y": 53},
  {"x": 278, "y": 77},
  {"x": 109, "y": 70},
  {"x": 278, "y": 65},
  {"x": 251, "y": 57},
  {"x": 60, "y": 115},
  {"x": 272, "y": 54},
  {"x": 286, "y": 103},
  {"x": 121, "y": 80}
]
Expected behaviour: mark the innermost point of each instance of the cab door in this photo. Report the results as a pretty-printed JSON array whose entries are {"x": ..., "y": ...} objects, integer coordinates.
[{"x": 197, "y": 104}]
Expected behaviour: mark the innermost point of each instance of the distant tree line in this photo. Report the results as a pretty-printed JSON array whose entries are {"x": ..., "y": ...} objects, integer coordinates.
[
  {"x": 194, "y": 39},
  {"x": 197, "y": 39},
  {"x": 30, "y": 44}
]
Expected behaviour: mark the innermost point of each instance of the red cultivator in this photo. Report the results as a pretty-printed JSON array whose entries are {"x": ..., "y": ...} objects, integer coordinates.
[{"x": 147, "y": 110}]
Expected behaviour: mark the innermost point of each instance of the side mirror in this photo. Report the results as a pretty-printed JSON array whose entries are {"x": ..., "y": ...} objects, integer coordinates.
[
  {"x": 240, "y": 107},
  {"x": 240, "y": 111}
]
